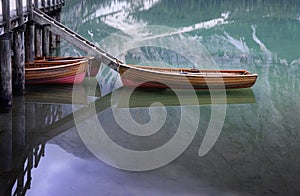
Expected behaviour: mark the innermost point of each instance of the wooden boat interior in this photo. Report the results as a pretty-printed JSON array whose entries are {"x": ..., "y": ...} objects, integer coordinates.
[
  {"x": 191, "y": 71},
  {"x": 61, "y": 62}
]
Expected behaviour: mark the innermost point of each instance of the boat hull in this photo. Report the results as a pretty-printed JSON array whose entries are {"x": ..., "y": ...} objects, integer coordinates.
[
  {"x": 56, "y": 72},
  {"x": 153, "y": 77}
]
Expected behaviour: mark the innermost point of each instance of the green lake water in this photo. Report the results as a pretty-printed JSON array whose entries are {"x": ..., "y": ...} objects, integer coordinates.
[{"x": 256, "y": 150}]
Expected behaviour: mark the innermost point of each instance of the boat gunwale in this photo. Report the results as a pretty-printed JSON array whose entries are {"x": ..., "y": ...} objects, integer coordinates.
[
  {"x": 217, "y": 75},
  {"x": 55, "y": 66}
]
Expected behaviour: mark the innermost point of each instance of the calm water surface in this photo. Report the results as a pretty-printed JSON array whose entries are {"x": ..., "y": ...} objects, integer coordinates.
[{"x": 257, "y": 151}]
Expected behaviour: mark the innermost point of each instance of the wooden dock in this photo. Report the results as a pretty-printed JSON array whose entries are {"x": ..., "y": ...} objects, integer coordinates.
[
  {"x": 21, "y": 40},
  {"x": 29, "y": 29}
]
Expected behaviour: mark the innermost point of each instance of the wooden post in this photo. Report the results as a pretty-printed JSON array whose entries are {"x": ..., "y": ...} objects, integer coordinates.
[
  {"x": 19, "y": 5},
  {"x": 53, "y": 4},
  {"x": 36, "y": 4},
  {"x": 19, "y": 63},
  {"x": 29, "y": 9},
  {"x": 52, "y": 35},
  {"x": 58, "y": 38},
  {"x": 5, "y": 74},
  {"x": 46, "y": 40},
  {"x": 38, "y": 41},
  {"x": 29, "y": 41},
  {"x": 52, "y": 41},
  {"x": 58, "y": 19},
  {"x": 6, "y": 15},
  {"x": 43, "y": 5},
  {"x": 49, "y": 5},
  {"x": 5, "y": 61}
]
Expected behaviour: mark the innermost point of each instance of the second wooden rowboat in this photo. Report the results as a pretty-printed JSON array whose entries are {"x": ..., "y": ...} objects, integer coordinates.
[
  {"x": 56, "y": 71},
  {"x": 184, "y": 78}
]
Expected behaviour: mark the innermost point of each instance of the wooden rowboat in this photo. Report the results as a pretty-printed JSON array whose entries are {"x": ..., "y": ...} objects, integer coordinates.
[
  {"x": 184, "y": 78},
  {"x": 67, "y": 70}
]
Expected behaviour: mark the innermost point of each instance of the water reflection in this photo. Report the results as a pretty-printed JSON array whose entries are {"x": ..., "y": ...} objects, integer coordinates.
[
  {"x": 252, "y": 145},
  {"x": 41, "y": 116},
  {"x": 144, "y": 98},
  {"x": 21, "y": 150},
  {"x": 56, "y": 94}
]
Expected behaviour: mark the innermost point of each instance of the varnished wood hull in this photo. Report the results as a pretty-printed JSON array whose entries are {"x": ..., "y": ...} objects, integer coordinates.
[
  {"x": 60, "y": 71},
  {"x": 183, "y": 78}
]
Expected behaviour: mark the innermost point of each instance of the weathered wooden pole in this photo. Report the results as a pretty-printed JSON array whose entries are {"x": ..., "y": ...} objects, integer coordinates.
[
  {"x": 43, "y": 5},
  {"x": 29, "y": 36},
  {"x": 18, "y": 83},
  {"x": 55, "y": 39},
  {"x": 38, "y": 33},
  {"x": 36, "y": 4},
  {"x": 52, "y": 41},
  {"x": 5, "y": 61},
  {"x": 52, "y": 35},
  {"x": 5, "y": 74},
  {"x": 29, "y": 8},
  {"x": 58, "y": 19},
  {"x": 19, "y": 62},
  {"x": 58, "y": 38},
  {"x": 38, "y": 41},
  {"x": 46, "y": 40},
  {"x": 29, "y": 42},
  {"x": 19, "y": 6},
  {"x": 49, "y": 5}
]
